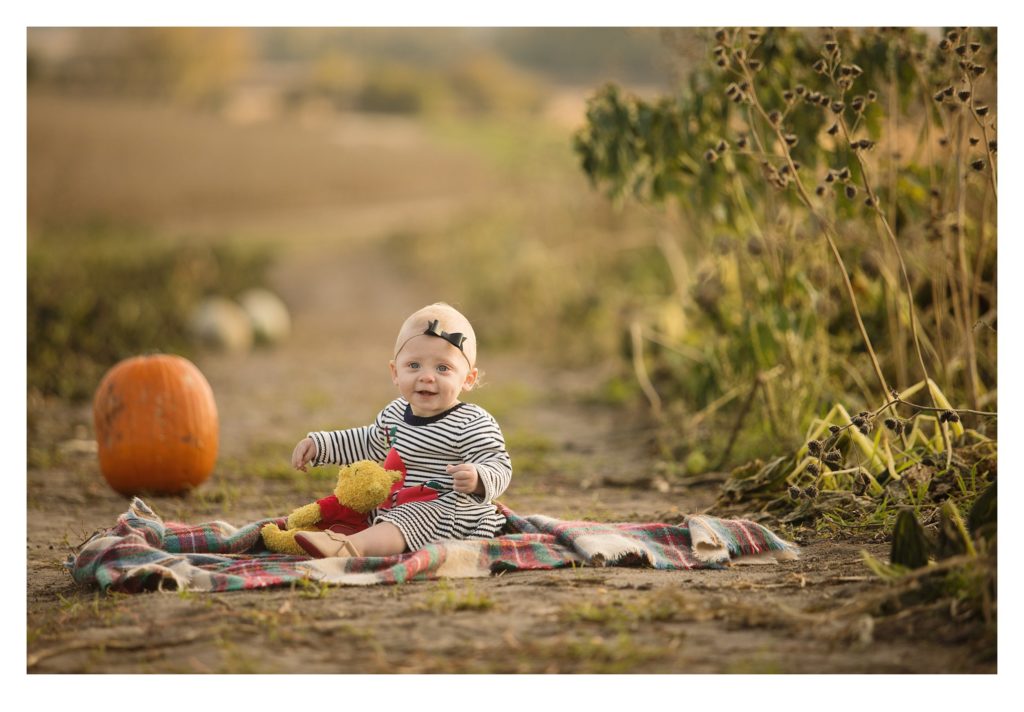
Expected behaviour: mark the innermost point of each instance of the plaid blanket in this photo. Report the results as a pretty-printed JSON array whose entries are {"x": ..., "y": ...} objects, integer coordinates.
[{"x": 143, "y": 552}]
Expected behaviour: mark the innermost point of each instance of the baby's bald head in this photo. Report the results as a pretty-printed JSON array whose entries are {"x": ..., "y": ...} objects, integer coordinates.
[{"x": 449, "y": 319}]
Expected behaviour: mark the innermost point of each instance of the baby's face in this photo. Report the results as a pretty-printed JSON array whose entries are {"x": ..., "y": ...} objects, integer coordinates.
[{"x": 431, "y": 374}]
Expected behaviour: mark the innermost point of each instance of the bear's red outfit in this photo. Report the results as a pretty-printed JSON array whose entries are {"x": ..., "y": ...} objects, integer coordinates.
[{"x": 344, "y": 520}]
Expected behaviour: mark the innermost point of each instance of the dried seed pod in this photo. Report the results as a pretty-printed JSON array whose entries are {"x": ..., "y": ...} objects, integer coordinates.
[
  {"x": 821, "y": 66},
  {"x": 811, "y": 492},
  {"x": 953, "y": 36},
  {"x": 794, "y": 492},
  {"x": 775, "y": 117},
  {"x": 820, "y": 191},
  {"x": 813, "y": 469},
  {"x": 858, "y": 420},
  {"x": 992, "y": 145},
  {"x": 788, "y": 95},
  {"x": 814, "y": 447},
  {"x": 939, "y": 96},
  {"x": 865, "y": 144},
  {"x": 978, "y": 164},
  {"x": 753, "y": 35},
  {"x": 833, "y": 129},
  {"x": 948, "y": 91},
  {"x": 844, "y": 174},
  {"x": 857, "y": 104},
  {"x": 831, "y": 46},
  {"x": 833, "y": 457},
  {"x": 834, "y": 429},
  {"x": 860, "y": 484},
  {"x": 837, "y": 107},
  {"x": 977, "y": 70},
  {"x": 963, "y": 95},
  {"x": 954, "y": 417},
  {"x": 869, "y": 202},
  {"x": 722, "y": 147},
  {"x": 754, "y": 65},
  {"x": 945, "y": 45},
  {"x": 981, "y": 110},
  {"x": 890, "y": 423},
  {"x": 864, "y": 430},
  {"x": 742, "y": 141},
  {"x": 974, "y": 46},
  {"x": 973, "y": 140},
  {"x": 872, "y": 95},
  {"x": 790, "y": 139},
  {"x": 800, "y": 89},
  {"x": 851, "y": 192},
  {"x": 961, "y": 50},
  {"x": 721, "y": 35},
  {"x": 900, "y": 427},
  {"x": 710, "y": 156}
]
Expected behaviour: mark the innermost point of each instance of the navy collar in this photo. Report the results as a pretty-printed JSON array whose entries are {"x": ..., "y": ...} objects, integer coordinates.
[{"x": 413, "y": 419}]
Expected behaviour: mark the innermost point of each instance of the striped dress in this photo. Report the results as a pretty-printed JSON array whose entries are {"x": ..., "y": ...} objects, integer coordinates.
[{"x": 464, "y": 433}]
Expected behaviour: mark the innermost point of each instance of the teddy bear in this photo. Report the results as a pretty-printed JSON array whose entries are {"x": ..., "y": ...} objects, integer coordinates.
[{"x": 362, "y": 486}]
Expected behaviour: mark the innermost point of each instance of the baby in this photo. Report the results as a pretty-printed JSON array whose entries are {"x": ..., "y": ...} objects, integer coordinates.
[{"x": 455, "y": 449}]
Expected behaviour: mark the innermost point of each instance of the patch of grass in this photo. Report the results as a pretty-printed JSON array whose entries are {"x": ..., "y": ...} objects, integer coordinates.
[
  {"x": 446, "y": 598},
  {"x": 594, "y": 654},
  {"x": 308, "y": 588},
  {"x": 657, "y": 607}
]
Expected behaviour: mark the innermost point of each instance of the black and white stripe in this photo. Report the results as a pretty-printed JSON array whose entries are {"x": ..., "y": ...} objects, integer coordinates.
[{"x": 466, "y": 433}]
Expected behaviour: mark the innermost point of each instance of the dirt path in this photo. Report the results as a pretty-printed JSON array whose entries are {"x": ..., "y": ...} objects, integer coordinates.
[{"x": 572, "y": 460}]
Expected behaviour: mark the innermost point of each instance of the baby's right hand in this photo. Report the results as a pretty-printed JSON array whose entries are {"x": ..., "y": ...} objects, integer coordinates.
[{"x": 303, "y": 453}]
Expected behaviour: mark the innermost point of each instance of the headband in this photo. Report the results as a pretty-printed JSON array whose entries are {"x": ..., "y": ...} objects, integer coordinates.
[{"x": 456, "y": 339}]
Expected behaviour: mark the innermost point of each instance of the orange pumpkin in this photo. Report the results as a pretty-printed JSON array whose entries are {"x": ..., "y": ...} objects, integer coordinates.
[{"x": 156, "y": 425}]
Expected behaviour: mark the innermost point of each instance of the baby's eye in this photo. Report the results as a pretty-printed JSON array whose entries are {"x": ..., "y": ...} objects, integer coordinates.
[
  {"x": 414, "y": 364},
  {"x": 443, "y": 369}
]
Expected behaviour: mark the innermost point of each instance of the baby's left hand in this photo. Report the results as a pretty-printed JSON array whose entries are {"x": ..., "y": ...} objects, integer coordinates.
[{"x": 465, "y": 478}]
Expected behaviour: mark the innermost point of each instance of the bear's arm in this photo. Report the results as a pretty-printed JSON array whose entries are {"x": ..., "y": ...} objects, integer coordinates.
[{"x": 305, "y": 516}]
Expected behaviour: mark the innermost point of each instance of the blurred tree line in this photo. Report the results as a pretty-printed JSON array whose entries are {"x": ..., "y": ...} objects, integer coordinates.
[{"x": 397, "y": 70}]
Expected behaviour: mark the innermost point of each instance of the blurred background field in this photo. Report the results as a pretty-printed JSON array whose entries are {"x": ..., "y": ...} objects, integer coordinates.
[
  {"x": 189, "y": 158},
  {"x": 193, "y": 158}
]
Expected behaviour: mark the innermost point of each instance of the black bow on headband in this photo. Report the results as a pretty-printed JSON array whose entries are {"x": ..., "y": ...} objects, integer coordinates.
[{"x": 456, "y": 339}]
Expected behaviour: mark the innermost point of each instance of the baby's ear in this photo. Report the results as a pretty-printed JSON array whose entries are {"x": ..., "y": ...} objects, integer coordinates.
[{"x": 470, "y": 381}]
